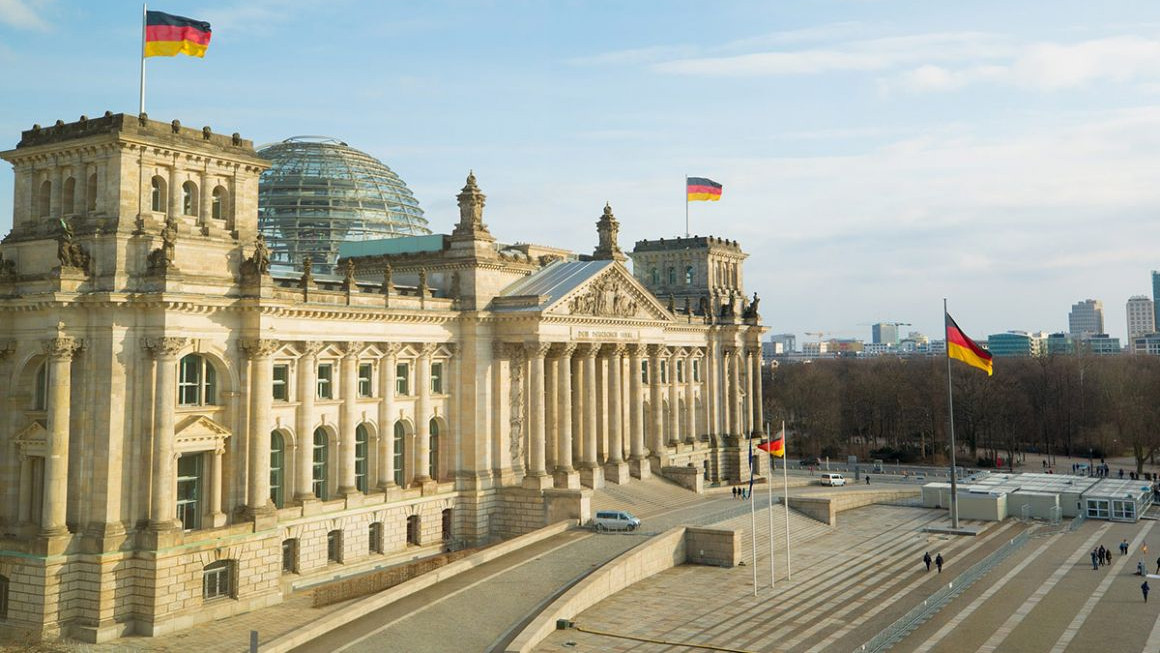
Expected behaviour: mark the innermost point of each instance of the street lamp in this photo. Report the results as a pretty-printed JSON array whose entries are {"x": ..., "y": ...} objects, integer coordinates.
[{"x": 1091, "y": 467}]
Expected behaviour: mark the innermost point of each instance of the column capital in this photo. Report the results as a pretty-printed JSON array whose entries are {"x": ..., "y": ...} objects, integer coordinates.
[
  {"x": 259, "y": 348},
  {"x": 62, "y": 347},
  {"x": 658, "y": 351},
  {"x": 391, "y": 348},
  {"x": 588, "y": 350},
  {"x": 310, "y": 347},
  {"x": 350, "y": 349},
  {"x": 427, "y": 348},
  {"x": 638, "y": 350},
  {"x": 165, "y": 347},
  {"x": 451, "y": 348},
  {"x": 537, "y": 349},
  {"x": 563, "y": 349},
  {"x": 614, "y": 349}
]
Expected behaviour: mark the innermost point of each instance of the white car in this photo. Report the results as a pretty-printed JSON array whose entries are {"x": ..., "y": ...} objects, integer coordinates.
[{"x": 615, "y": 520}]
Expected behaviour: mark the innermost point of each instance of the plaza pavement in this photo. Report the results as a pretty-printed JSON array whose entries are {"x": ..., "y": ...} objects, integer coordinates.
[{"x": 848, "y": 583}]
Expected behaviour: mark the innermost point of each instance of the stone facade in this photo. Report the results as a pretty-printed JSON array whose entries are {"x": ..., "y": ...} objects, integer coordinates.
[{"x": 188, "y": 433}]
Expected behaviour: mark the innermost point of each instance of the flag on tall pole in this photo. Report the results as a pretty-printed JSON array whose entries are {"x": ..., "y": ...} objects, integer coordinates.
[
  {"x": 962, "y": 348},
  {"x": 752, "y": 518},
  {"x": 168, "y": 35},
  {"x": 775, "y": 446},
  {"x": 699, "y": 189}
]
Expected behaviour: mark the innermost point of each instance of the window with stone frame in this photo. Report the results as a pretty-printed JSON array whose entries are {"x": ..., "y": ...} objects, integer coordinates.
[
  {"x": 433, "y": 455},
  {"x": 319, "y": 480},
  {"x": 398, "y": 452},
  {"x": 3, "y": 597},
  {"x": 40, "y": 390},
  {"x": 680, "y": 371},
  {"x": 644, "y": 372},
  {"x": 44, "y": 200},
  {"x": 325, "y": 381},
  {"x": 447, "y": 524},
  {"x": 690, "y": 275},
  {"x": 196, "y": 381},
  {"x": 361, "y": 440},
  {"x": 365, "y": 380},
  {"x": 672, "y": 276},
  {"x": 91, "y": 193},
  {"x": 157, "y": 199},
  {"x": 190, "y": 487},
  {"x": 69, "y": 197},
  {"x": 277, "y": 469},
  {"x": 414, "y": 532},
  {"x": 217, "y": 580},
  {"x": 290, "y": 556},
  {"x": 334, "y": 546},
  {"x": 437, "y": 378},
  {"x": 218, "y": 203},
  {"x": 189, "y": 198},
  {"x": 696, "y": 371},
  {"x": 280, "y": 384},
  {"x": 375, "y": 537},
  {"x": 402, "y": 379}
]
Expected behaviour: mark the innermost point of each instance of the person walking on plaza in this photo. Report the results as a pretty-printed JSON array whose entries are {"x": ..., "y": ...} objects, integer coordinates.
[
  {"x": 1144, "y": 589},
  {"x": 1100, "y": 555},
  {"x": 926, "y": 560},
  {"x": 1095, "y": 559},
  {"x": 1124, "y": 547},
  {"x": 938, "y": 562}
]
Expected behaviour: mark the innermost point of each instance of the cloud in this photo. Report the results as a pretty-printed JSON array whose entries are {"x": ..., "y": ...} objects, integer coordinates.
[{"x": 23, "y": 14}]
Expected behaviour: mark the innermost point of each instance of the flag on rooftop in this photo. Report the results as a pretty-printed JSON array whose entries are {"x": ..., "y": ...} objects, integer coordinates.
[
  {"x": 700, "y": 189},
  {"x": 960, "y": 347},
  {"x": 167, "y": 35},
  {"x": 775, "y": 446}
]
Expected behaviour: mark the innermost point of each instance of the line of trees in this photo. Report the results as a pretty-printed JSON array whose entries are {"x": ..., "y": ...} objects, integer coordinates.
[{"x": 896, "y": 408}]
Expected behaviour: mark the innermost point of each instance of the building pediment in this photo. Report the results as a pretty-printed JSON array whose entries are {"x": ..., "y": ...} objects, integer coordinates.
[
  {"x": 199, "y": 433},
  {"x": 611, "y": 293},
  {"x": 32, "y": 440}
]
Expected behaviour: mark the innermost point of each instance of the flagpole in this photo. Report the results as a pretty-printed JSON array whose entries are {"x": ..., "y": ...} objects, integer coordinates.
[
  {"x": 951, "y": 415},
  {"x": 144, "y": 21},
  {"x": 785, "y": 486},
  {"x": 772, "y": 461},
  {"x": 686, "y": 205}
]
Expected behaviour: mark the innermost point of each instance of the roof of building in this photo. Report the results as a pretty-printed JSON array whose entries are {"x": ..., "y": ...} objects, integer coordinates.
[{"x": 551, "y": 283}]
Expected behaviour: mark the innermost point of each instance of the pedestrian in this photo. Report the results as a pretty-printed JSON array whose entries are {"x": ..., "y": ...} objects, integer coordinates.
[
  {"x": 1124, "y": 547},
  {"x": 867, "y": 479},
  {"x": 1095, "y": 561},
  {"x": 938, "y": 562},
  {"x": 1140, "y": 571},
  {"x": 926, "y": 560},
  {"x": 1144, "y": 589},
  {"x": 1158, "y": 565},
  {"x": 1100, "y": 555},
  {"x": 1107, "y": 556}
]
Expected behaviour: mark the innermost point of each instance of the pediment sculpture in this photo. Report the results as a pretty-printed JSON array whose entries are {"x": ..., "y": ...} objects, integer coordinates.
[{"x": 607, "y": 296}]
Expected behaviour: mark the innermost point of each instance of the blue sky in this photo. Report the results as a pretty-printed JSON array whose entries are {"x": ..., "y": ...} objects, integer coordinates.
[{"x": 876, "y": 155}]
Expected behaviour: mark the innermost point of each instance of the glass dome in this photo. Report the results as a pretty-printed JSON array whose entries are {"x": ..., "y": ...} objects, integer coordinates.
[{"x": 320, "y": 192}]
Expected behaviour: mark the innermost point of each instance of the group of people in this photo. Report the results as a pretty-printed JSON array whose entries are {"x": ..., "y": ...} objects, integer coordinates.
[
  {"x": 1103, "y": 556},
  {"x": 938, "y": 561},
  {"x": 740, "y": 493}
]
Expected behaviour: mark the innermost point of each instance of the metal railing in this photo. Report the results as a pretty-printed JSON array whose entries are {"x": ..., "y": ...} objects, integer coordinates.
[{"x": 906, "y": 624}]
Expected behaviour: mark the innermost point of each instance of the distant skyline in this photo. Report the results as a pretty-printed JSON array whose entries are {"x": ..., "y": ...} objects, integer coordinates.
[{"x": 876, "y": 156}]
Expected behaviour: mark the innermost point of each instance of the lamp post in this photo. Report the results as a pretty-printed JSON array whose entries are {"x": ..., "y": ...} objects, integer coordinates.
[{"x": 1091, "y": 467}]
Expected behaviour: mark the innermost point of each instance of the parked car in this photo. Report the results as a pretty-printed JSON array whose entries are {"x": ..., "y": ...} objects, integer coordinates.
[
  {"x": 615, "y": 520},
  {"x": 809, "y": 461}
]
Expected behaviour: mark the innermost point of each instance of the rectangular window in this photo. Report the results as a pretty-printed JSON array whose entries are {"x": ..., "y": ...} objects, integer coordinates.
[
  {"x": 40, "y": 399},
  {"x": 437, "y": 378},
  {"x": 644, "y": 371},
  {"x": 326, "y": 381},
  {"x": 189, "y": 489},
  {"x": 217, "y": 580},
  {"x": 375, "y": 533},
  {"x": 664, "y": 372},
  {"x": 334, "y": 546},
  {"x": 680, "y": 371},
  {"x": 402, "y": 379},
  {"x": 290, "y": 556},
  {"x": 365, "y": 370},
  {"x": 696, "y": 371},
  {"x": 281, "y": 383}
]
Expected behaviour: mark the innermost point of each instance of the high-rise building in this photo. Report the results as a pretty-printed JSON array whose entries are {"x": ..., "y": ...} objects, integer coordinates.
[
  {"x": 785, "y": 342},
  {"x": 1086, "y": 317},
  {"x": 885, "y": 333},
  {"x": 1141, "y": 318},
  {"x": 1156, "y": 296}
]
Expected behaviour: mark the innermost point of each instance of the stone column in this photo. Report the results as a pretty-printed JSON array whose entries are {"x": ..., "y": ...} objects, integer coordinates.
[
  {"x": 304, "y": 424},
  {"x": 712, "y": 424},
  {"x": 566, "y": 475},
  {"x": 163, "y": 506},
  {"x": 616, "y": 470},
  {"x": 753, "y": 390},
  {"x": 260, "y": 353},
  {"x": 387, "y": 416},
  {"x": 727, "y": 392},
  {"x": 216, "y": 516},
  {"x": 174, "y": 193},
  {"x": 637, "y": 462},
  {"x": 423, "y": 415},
  {"x": 674, "y": 435},
  {"x": 656, "y": 439},
  {"x": 591, "y": 473},
  {"x": 759, "y": 393},
  {"x": 501, "y": 415},
  {"x": 551, "y": 411},
  {"x": 56, "y": 197},
  {"x": 60, "y": 350},
  {"x": 348, "y": 418},
  {"x": 204, "y": 197},
  {"x": 690, "y": 399},
  {"x": 537, "y": 476},
  {"x": 737, "y": 418}
]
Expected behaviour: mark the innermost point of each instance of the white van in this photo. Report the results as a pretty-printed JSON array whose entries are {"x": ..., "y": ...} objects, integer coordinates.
[
  {"x": 833, "y": 479},
  {"x": 615, "y": 520}
]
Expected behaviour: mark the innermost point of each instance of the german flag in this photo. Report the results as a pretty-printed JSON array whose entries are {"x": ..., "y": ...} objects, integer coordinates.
[
  {"x": 700, "y": 189},
  {"x": 167, "y": 35},
  {"x": 960, "y": 347},
  {"x": 775, "y": 446}
]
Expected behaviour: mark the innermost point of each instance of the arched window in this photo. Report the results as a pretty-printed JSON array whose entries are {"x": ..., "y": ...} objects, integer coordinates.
[
  {"x": 360, "y": 457},
  {"x": 40, "y": 392},
  {"x": 189, "y": 198},
  {"x": 69, "y": 197},
  {"x": 690, "y": 275},
  {"x": 400, "y": 443},
  {"x": 433, "y": 458},
  {"x": 414, "y": 532},
  {"x": 218, "y": 211},
  {"x": 196, "y": 382},
  {"x": 319, "y": 466},
  {"x": 290, "y": 556},
  {"x": 334, "y": 546},
  {"x": 217, "y": 580},
  {"x": 157, "y": 197},
  {"x": 91, "y": 193},
  {"x": 277, "y": 469},
  {"x": 44, "y": 199}
]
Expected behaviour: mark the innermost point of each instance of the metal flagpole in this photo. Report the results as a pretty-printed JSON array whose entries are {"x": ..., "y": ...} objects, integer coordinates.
[
  {"x": 686, "y": 205},
  {"x": 785, "y": 499},
  {"x": 772, "y": 461},
  {"x": 753, "y": 528},
  {"x": 951, "y": 417},
  {"x": 144, "y": 21}
]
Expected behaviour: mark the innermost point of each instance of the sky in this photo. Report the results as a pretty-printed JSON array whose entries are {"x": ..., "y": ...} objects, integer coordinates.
[{"x": 877, "y": 156}]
